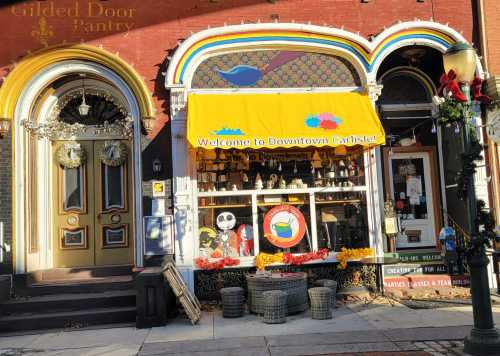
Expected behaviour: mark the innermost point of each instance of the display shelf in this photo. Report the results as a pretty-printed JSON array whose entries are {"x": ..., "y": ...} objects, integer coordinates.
[
  {"x": 301, "y": 202},
  {"x": 224, "y": 206},
  {"x": 358, "y": 188},
  {"x": 343, "y": 201}
]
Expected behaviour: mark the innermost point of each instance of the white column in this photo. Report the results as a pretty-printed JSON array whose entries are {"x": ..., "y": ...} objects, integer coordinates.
[
  {"x": 375, "y": 196},
  {"x": 184, "y": 222}
]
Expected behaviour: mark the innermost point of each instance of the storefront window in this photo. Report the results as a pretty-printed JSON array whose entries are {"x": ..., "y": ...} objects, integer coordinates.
[
  {"x": 342, "y": 220},
  {"x": 289, "y": 200},
  {"x": 225, "y": 227}
]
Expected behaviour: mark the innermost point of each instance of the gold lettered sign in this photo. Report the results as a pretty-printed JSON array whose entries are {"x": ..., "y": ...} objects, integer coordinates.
[{"x": 83, "y": 17}]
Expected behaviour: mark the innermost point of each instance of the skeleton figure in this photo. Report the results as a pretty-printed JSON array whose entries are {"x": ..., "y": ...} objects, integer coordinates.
[{"x": 225, "y": 221}]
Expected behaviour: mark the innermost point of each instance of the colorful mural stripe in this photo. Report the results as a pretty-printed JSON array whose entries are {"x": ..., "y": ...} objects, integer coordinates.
[{"x": 299, "y": 40}]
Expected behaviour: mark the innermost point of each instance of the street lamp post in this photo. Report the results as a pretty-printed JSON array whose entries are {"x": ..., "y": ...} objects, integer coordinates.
[{"x": 484, "y": 338}]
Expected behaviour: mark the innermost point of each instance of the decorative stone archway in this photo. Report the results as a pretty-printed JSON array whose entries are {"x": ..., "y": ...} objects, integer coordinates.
[{"x": 21, "y": 90}]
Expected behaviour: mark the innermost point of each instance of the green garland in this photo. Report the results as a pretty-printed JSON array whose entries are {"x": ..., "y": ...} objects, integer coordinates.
[
  {"x": 453, "y": 111},
  {"x": 472, "y": 154},
  {"x": 487, "y": 235}
]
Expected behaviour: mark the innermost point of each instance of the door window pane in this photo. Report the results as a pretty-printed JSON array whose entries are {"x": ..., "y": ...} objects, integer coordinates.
[
  {"x": 113, "y": 184},
  {"x": 409, "y": 188},
  {"x": 73, "y": 188}
]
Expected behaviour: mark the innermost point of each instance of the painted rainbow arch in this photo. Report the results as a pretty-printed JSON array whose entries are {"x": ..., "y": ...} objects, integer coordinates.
[{"x": 367, "y": 55}]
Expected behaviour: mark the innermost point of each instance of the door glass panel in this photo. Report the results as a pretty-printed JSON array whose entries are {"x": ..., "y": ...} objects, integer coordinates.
[
  {"x": 74, "y": 238},
  {"x": 115, "y": 237},
  {"x": 73, "y": 189},
  {"x": 113, "y": 183},
  {"x": 409, "y": 188}
]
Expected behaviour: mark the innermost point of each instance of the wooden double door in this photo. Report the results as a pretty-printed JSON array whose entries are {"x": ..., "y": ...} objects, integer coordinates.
[{"x": 92, "y": 206}]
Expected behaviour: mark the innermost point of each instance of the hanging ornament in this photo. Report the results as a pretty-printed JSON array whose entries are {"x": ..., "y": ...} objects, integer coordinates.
[
  {"x": 295, "y": 170},
  {"x": 279, "y": 167},
  {"x": 433, "y": 128},
  {"x": 457, "y": 128},
  {"x": 313, "y": 170}
]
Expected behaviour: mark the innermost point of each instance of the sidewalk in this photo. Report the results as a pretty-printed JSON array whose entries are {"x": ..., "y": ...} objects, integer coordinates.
[{"x": 377, "y": 328}]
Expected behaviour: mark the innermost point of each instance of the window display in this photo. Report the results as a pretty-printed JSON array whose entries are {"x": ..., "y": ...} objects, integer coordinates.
[{"x": 289, "y": 200}]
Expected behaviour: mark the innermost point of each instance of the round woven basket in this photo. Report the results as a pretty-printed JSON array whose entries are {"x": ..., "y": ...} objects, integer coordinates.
[
  {"x": 275, "y": 307},
  {"x": 233, "y": 302},
  {"x": 321, "y": 303},
  {"x": 294, "y": 284},
  {"x": 330, "y": 283}
]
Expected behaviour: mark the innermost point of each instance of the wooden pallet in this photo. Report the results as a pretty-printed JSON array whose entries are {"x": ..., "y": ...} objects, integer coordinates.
[{"x": 189, "y": 301}]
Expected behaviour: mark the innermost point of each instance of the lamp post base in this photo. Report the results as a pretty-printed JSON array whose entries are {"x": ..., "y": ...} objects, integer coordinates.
[{"x": 482, "y": 342}]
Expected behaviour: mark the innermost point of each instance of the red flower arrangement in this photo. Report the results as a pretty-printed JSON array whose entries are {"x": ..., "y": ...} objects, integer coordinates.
[
  {"x": 290, "y": 259},
  {"x": 204, "y": 263}
]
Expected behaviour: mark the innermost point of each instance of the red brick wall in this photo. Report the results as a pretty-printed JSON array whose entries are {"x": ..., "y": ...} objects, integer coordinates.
[
  {"x": 492, "y": 29},
  {"x": 156, "y": 26}
]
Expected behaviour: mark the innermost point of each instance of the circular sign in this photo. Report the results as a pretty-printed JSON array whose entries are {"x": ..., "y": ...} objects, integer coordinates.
[{"x": 284, "y": 226}]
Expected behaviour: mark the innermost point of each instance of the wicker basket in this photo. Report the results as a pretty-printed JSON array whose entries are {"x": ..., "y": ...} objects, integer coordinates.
[
  {"x": 232, "y": 302},
  {"x": 275, "y": 309},
  {"x": 294, "y": 284},
  {"x": 321, "y": 302},
  {"x": 330, "y": 283}
]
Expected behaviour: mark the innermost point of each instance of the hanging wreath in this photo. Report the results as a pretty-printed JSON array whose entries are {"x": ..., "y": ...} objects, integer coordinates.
[
  {"x": 71, "y": 155},
  {"x": 114, "y": 153}
]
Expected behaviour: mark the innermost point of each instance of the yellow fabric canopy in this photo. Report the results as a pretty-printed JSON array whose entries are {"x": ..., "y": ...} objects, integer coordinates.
[{"x": 282, "y": 120}]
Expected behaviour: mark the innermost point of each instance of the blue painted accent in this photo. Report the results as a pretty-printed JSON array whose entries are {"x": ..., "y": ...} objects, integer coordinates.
[
  {"x": 368, "y": 67},
  {"x": 225, "y": 131},
  {"x": 312, "y": 121},
  {"x": 241, "y": 75}
]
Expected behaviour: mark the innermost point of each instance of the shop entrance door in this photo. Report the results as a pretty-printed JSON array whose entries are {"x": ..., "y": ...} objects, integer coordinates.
[
  {"x": 411, "y": 181},
  {"x": 92, "y": 208}
]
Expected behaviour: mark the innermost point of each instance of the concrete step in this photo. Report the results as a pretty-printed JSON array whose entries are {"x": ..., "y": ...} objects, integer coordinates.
[
  {"x": 69, "y": 302},
  {"x": 64, "y": 286},
  {"x": 67, "y": 319}
]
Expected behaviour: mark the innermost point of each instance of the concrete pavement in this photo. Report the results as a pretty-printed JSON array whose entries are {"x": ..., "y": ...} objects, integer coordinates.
[{"x": 378, "y": 326}]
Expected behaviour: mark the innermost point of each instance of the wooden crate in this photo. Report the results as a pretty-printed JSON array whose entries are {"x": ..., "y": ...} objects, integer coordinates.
[{"x": 189, "y": 301}]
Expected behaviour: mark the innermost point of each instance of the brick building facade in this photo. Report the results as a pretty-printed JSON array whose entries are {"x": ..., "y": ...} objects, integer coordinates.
[{"x": 146, "y": 34}]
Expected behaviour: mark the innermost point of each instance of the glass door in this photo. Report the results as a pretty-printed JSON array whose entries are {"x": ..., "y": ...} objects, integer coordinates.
[{"x": 411, "y": 176}]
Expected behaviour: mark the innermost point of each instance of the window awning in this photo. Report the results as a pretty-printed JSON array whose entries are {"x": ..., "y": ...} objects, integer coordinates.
[{"x": 282, "y": 120}]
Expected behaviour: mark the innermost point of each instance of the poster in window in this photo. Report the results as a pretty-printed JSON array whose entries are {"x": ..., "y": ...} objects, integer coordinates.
[{"x": 159, "y": 235}]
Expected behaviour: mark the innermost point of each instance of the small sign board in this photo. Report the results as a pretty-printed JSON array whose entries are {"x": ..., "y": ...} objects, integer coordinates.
[
  {"x": 159, "y": 235},
  {"x": 159, "y": 188}
]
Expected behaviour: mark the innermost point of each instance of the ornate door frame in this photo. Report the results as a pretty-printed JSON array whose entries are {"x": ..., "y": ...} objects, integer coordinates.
[{"x": 23, "y": 111}]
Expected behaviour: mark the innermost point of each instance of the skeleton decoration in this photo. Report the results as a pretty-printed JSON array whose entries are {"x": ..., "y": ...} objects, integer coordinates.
[{"x": 226, "y": 222}]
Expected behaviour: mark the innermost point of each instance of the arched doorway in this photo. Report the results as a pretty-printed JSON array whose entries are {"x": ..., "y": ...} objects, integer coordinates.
[
  {"x": 90, "y": 134},
  {"x": 36, "y": 92}
]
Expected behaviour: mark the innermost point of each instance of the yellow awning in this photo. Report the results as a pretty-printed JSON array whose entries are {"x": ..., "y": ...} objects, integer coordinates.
[{"x": 282, "y": 120}]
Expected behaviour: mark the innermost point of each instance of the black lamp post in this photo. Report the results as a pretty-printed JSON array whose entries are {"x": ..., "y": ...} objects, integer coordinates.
[{"x": 484, "y": 339}]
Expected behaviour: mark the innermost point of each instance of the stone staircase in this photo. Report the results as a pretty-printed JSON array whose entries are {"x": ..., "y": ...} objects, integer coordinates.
[{"x": 71, "y": 298}]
